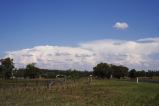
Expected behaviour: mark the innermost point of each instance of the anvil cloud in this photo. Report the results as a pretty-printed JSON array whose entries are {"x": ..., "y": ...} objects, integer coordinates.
[{"x": 139, "y": 54}]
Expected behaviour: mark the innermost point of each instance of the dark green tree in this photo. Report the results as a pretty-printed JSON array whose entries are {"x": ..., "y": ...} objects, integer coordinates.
[
  {"x": 102, "y": 70},
  {"x": 141, "y": 73},
  {"x": 1, "y": 71},
  {"x": 7, "y": 67},
  {"x": 132, "y": 73},
  {"x": 119, "y": 71},
  {"x": 19, "y": 73},
  {"x": 31, "y": 71},
  {"x": 73, "y": 74},
  {"x": 149, "y": 73}
]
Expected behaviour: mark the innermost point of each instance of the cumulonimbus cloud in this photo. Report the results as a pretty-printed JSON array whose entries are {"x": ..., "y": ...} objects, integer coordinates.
[
  {"x": 137, "y": 54},
  {"x": 120, "y": 25}
]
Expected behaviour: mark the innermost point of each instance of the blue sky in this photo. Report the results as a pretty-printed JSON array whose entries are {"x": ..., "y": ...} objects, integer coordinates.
[{"x": 29, "y": 23}]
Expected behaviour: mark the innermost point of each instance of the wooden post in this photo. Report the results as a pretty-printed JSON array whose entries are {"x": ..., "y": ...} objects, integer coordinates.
[{"x": 137, "y": 80}]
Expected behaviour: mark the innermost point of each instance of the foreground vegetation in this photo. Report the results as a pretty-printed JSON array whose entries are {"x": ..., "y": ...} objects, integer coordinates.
[{"x": 78, "y": 93}]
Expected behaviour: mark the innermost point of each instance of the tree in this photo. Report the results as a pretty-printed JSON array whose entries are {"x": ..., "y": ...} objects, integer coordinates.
[
  {"x": 132, "y": 73},
  {"x": 32, "y": 71},
  {"x": 119, "y": 71},
  {"x": 73, "y": 74},
  {"x": 1, "y": 71},
  {"x": 141, "y": 73},
  {"x": 19, "y": 73},
  {"x": 7, "y": 67},
  {"x": 102, "y": 70},
  {"x": 149, "y": 73}
]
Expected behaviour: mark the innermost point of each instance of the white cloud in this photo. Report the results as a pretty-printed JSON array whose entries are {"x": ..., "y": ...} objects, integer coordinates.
[
  {"x": 156, "y": 40},
  {"x": 134, "y": 54},
  {"x": 120, "y": 25},
  {"x": 54, "y": 57}
]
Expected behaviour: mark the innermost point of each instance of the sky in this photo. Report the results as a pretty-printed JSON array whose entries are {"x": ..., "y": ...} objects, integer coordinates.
[{"x": 78, "y": 34}]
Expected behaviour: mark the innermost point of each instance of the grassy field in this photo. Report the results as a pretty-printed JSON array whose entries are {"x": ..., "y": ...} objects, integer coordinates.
[{"x": 80, "y": 93}]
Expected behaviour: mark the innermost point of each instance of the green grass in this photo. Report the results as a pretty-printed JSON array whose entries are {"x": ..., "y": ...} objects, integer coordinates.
[{"x": 99, "y": 93}]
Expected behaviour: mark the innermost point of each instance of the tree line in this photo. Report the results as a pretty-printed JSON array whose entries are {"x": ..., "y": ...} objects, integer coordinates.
[
  {"x": 101, "y": 70},
  {"x": 31, "y": 71},
  {"x": 105, "y": 70}
]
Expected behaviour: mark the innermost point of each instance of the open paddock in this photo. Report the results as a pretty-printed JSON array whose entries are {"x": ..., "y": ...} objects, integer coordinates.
[{"x": 78, "y": 93}]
